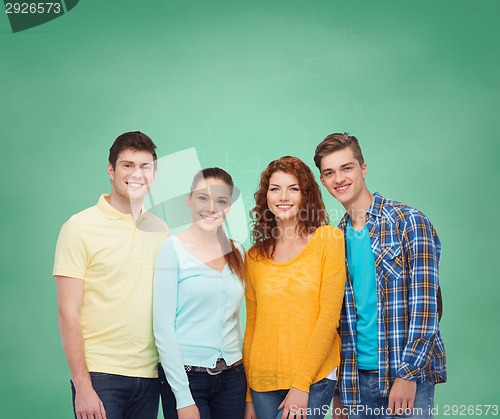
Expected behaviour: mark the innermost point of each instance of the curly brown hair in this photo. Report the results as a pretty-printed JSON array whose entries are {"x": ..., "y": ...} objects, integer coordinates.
[{"x": 312, "y": 212}]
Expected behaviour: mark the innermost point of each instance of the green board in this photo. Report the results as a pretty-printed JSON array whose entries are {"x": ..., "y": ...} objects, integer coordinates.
[{"x": 243, "y": 83}]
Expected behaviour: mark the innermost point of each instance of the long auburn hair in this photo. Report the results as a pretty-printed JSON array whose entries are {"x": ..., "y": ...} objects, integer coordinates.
[
  {"x": 232, "y": 255},
  {"x": 312, "y": 212}
]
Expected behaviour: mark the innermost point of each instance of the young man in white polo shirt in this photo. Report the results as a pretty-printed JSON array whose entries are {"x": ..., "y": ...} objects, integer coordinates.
[{"x": 103, "y": 267}]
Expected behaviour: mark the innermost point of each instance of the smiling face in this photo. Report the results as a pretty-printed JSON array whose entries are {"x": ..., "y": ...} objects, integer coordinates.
[
  {"x": 284, "y": 196},
  {"x": 343, "y": 176},
  {"x": 209, "y": 202},
  {"x": 132, "y": 176}
]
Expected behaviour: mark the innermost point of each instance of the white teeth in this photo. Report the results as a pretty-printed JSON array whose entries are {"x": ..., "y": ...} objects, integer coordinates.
[
  {"x": 342, "y": 188},
  {"x": 284, "y": 206}
]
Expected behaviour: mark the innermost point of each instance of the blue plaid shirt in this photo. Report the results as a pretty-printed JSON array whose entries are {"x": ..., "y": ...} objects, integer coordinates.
[{"x": 407, "y": 250}]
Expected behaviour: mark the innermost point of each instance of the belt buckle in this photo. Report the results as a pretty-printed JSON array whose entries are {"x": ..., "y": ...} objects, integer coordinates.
[
  {"x": 213, "y": 371},
  {"x": 220, "y": 366}
]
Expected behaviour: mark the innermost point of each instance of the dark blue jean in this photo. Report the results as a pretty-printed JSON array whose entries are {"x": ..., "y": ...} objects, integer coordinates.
[
  {"x": 220, "y": 396},
  {"x": 374, "y": 406},
  {"x": 125, "y": 397},
  {"x": 320, "y": 396}
]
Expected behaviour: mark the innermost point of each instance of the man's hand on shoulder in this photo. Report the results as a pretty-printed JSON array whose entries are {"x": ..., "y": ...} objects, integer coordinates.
[
  {"x": 401, "y": 396},
  {"x": 88, "y": 404}
]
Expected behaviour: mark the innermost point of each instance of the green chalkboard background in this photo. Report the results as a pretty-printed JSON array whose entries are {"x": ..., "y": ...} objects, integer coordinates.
[{"x": 245, "y": 82}]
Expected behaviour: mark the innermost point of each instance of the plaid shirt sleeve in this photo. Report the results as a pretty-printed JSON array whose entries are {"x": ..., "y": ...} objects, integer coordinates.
[{"x": 421, "y": 248}]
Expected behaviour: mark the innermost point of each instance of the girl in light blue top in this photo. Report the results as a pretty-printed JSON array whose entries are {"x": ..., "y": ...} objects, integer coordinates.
[{"x": 198, "y": 290}]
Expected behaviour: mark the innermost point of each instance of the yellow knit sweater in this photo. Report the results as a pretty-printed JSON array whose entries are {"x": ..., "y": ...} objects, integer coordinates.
[{"x": 293, "y": 311}]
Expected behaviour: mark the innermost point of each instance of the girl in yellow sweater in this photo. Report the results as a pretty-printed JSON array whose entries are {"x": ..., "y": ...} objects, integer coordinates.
[{"x": 294, "y": 292}]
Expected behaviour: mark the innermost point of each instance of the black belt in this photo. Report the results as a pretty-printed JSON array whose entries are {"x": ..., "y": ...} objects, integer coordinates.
[
  {"x": 219, "y": 367},
  {"x": 369, "y": 371}
]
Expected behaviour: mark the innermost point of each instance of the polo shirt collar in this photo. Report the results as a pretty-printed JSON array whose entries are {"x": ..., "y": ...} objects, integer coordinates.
[{"x": 108, "y": 210}]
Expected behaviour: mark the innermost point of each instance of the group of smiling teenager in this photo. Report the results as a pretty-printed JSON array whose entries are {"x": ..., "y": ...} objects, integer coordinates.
[{"x": 348, "y": 313}]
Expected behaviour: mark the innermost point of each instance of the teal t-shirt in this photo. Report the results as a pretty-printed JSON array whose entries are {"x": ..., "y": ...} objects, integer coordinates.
[{"x": 361, "y": 264}]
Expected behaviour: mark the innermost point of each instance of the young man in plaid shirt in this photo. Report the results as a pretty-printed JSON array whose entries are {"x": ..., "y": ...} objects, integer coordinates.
[{"x": 392, "y": 351}]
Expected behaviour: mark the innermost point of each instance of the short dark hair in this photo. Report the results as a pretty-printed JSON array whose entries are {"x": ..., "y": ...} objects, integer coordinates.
[
  {"x": 336, "y": 142},
  {"x": 134, "y": 140}
]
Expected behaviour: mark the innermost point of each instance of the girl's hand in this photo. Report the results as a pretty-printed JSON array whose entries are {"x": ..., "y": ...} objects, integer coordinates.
[
  {"x": 188, "y": 412},
  {"x": 339, "y": 410},
  {"x": 295, "y": 404},
  {"x": 250, "y": 411}
]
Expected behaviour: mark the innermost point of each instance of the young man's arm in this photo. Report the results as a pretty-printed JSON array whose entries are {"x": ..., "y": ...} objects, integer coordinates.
[
  {"x": 422, "y": 250},
  {"x": 401, "y": 396},
  {"x": 69, "y": 298}
]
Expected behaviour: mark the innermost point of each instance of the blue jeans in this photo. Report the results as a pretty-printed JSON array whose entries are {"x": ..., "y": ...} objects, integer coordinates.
[
  {"x": 220, "y": 396},
  {"x": 125, "y": 397},
  {"x": 320, "y": 396},
  {"x": 373, "y": 405}
]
